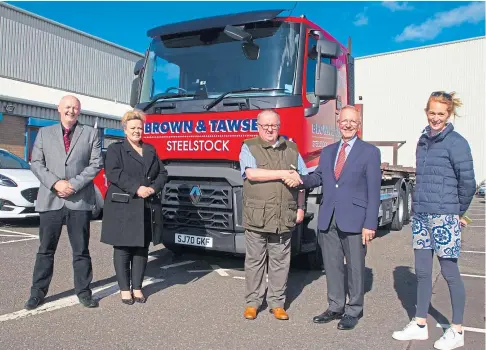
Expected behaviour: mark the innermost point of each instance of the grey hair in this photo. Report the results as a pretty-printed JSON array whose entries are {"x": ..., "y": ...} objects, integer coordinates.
[{"x": 351, "y": 107}]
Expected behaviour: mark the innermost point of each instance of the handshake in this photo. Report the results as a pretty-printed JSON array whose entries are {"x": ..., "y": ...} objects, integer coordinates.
[{"x": 291, "y": 178}]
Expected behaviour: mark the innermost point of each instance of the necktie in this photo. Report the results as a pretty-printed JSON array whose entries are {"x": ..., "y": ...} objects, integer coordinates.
[
  {"x": 341, "y": 160},
  {"x": 67, "y": 142}
]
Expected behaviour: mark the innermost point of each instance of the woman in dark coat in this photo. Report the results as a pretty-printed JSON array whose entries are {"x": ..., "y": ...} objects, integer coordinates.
[
  {"x": 445, "y": 186},
  {"x": 132, "y": 213}
]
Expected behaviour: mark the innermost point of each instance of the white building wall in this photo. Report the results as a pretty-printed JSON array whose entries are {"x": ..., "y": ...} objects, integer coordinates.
[
  {"x": 10, "y": 88},
  {"x": 395, "y": 87}
]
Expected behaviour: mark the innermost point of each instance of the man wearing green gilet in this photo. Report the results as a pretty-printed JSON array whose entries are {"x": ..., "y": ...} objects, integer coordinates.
[{"x": 271, "y": 211}]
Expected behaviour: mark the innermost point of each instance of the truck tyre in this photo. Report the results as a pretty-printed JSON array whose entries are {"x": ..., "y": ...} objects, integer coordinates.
[
  {"x": 408, "y": 208},
  {"x": 309, "y": 261},
  {"x": 399, "y": 214}
]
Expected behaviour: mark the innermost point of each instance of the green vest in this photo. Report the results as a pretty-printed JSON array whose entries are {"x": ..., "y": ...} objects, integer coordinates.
[{"x": 270, "y": 206}]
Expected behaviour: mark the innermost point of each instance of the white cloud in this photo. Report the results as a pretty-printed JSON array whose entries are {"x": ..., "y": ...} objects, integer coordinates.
[
  {"x": 361, "y": 19},
  {"x": 471, "y": 13},
  {"x": 397, "y": 6}
]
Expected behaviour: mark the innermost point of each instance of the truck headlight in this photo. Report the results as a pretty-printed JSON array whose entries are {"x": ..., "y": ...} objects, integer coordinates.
[{"x": 6, "y": 181}]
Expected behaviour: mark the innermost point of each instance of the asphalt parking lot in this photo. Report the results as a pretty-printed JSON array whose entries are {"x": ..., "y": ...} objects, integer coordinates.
[{"x": 196, "y": 301}]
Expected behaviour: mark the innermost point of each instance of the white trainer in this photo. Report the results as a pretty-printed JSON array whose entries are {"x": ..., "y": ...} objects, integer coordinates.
[
  {"x": 451, "y": 339},
  {"x": 412, "y": 332}
]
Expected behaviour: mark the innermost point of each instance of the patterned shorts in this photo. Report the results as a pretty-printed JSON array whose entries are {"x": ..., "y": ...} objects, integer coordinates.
[{"x": 442, "y": 233}]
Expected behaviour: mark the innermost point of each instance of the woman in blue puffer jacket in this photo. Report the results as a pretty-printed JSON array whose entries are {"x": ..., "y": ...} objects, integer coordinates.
[{"x": 445, "y": 187}]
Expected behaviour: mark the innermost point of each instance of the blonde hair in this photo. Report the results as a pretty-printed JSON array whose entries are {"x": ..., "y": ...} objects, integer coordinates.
[
  {"x": 132, "y": 115},
  {"x": 446, "y": 98}
]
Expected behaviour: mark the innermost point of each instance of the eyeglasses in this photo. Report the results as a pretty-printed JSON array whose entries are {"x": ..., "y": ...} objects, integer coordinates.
[
  {"x": 269, "y": 126},
  {"x": 344, "y": 122},
  {"x": 440, "y": 93}
]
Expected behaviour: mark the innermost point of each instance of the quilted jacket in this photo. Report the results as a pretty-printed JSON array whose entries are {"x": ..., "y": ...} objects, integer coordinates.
[{"x": 445, "y": 182}]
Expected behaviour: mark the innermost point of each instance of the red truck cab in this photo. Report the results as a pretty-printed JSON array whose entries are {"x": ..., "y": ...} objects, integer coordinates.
[{"x": 202, "y": 84}]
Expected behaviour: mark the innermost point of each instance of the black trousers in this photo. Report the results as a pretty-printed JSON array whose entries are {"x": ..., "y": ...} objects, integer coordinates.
[
  {"x": 130, "y": 264},
  {"x": 77, "y": 222}
]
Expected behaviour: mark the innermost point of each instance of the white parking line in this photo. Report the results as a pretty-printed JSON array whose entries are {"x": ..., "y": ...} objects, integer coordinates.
[
  {"x": 476, "y": 226},
  {"x": 475, "y": 276},
  {"x": 19, "y": 240},
  {"x": 153, "y": 257},
  {"x": 469, "y": 329},
  {"x": 215, "y": 268},
  {"x": 3, "y": 235},
  {"x": 472, "y": 251},
  {"x": 18, "y": 233},
  {"x": 219, "y": 270},
  {"x": 177, "y": 264},
  {"x": 242, "y": 278},
  {"x": 98, "y": 293},
  {"x": 200, "y": 271}
]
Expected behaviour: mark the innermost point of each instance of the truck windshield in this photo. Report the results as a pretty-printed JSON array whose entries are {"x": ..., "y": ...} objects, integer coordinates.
[{"x": 212, "y": 63}]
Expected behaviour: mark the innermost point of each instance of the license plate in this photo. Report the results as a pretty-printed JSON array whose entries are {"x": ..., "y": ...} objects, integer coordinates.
[{"x": 198, "y": 241}]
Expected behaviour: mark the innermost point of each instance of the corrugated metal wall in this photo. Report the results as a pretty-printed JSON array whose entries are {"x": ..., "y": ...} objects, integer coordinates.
[
  {"x": 46, "y": 112},
  {"x": 395, "y": 87},
  {"x": 39, "y": 51}
]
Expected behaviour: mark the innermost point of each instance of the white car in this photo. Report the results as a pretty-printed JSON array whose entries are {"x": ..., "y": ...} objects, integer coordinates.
[{"x": 18, "y": 187}]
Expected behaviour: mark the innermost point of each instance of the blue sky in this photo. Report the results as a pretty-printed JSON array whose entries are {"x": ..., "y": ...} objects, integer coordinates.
[{"x": 374, "y": 27}]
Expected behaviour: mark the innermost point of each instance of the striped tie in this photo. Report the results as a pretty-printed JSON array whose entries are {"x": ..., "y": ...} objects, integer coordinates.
[{"x": 340, "y": 161}]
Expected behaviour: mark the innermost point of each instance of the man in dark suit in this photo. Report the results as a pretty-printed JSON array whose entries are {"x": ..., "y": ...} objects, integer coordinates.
[
  {"x": 65, "y": 159},
  {"x": 350, "y": 175}
]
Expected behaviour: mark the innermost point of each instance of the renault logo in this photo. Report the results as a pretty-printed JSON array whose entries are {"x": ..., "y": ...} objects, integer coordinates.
[{"x": 195, "y": 194}]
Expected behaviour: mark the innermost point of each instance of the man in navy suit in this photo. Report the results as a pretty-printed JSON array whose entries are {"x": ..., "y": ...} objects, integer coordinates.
[{"x": 350, "y": 174}]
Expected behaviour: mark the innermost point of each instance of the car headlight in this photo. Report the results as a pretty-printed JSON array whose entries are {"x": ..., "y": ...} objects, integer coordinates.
[{"x": 6, "y": 181}]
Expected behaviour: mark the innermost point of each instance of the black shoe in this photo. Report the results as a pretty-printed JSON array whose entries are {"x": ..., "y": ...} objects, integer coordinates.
[
  {"x": 33, "y": 303},
  {"x": 140, "y": 300},
  {"x": 327, "y": 316},
  {"x": 128, "y": 301},
  {"x": 88, "y": 302},
  {"x": 347, "y": 322}
]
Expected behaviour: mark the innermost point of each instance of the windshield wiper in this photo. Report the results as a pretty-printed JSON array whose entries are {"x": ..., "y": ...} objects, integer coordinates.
[
  {"x": 164, "y": 96},
  {"x": 222, "y": 96}
]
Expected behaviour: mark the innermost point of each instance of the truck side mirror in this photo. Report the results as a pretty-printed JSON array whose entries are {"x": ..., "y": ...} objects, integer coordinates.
[
  {"x": 138, "y": 66},
  {"x": 328, "y": 49},
  {"x": 326, "y": 74},
  {"x": 134, "y": 92}
]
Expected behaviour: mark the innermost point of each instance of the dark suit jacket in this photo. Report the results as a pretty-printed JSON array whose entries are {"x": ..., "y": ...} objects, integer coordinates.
[
  {"x": 355, "y": 197},
  {"x": 123, "y": 218}
]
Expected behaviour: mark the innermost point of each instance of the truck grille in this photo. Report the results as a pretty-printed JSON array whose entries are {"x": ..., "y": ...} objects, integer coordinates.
[
  {"x": 197, "y": 218},
  {"x": 30, "y": 194},
  {"x": 211, "y": 196},
  {"x": 207, "y": 205}
]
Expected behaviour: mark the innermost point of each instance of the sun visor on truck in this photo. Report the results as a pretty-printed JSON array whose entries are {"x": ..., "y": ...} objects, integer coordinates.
[{"x": 214, "y": 22}]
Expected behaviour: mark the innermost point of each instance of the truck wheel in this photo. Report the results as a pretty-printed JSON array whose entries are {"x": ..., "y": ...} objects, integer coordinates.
[
  {"x": 408, "y": 212},
  {"x": 399, "y": 214},
  {"x": 309, "y": 261}
]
